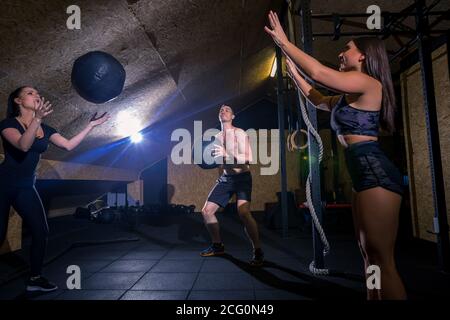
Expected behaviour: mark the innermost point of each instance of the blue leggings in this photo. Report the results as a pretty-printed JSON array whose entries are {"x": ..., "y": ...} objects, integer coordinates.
[{"x": 27, "y": 203}]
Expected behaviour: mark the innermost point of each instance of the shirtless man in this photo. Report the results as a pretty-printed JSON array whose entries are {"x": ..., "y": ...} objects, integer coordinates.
[{"x": 236, "y": 178}]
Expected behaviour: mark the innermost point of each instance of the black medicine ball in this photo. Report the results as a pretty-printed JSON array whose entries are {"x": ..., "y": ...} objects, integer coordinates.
[{"x": 98, "y": 77}]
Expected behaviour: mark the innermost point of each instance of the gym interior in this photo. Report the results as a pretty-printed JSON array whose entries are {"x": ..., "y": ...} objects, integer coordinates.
[{"x": 126, "y": 207}]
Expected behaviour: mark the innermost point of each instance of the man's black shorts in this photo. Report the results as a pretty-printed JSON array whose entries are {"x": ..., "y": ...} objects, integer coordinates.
[{"x": 227, "y": 185}]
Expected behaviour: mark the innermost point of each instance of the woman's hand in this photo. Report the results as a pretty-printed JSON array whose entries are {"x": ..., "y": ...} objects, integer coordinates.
[
  {"x": 95, "y": 121},
  {"x": 277, "y": 32},
  {"x": 70, "y": 144},
  {"x": 292, "y": 69},
  {"x": 42, "y": 108}
]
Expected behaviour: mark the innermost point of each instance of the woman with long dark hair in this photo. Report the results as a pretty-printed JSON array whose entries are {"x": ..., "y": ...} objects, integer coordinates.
[
  {"x": 25, "y": 137},
  {"x": 367, "y": 103}
]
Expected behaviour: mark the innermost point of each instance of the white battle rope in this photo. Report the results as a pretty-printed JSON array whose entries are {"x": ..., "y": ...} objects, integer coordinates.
[{"x": 323, "y": 237}]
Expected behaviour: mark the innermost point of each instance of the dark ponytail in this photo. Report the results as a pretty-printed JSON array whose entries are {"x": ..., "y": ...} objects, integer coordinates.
[
  {"x": 13, "y": 108},
  {"x": 376, "y": 65}
]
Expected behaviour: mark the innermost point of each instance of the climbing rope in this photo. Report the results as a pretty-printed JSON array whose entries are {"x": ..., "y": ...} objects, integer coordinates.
[{"x": 318, "y": 226}]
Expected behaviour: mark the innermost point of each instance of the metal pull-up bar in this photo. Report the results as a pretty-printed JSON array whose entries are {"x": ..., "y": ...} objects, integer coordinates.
[
  {"x": 366, "y": 15},
  {"x": 392, "y": 22}
]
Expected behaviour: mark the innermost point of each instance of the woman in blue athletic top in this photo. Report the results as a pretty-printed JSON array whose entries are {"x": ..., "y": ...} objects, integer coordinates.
[
  {"x": 366, "y": 104},
  {"x": 24, "y": 139}
]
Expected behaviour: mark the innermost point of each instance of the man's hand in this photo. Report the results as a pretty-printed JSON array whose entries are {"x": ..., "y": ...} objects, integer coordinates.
[{"x": 219, "y": 151}]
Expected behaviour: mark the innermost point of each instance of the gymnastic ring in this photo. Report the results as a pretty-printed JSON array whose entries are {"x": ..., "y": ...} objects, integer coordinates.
[
  {"x": 288, "y": 143},
  {"x": 294, "y": 145}
]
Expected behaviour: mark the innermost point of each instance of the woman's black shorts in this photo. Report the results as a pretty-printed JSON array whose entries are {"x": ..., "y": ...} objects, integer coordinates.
[
  {"x": 227, "y": 185},
  {"x": 369, "y": 167}
]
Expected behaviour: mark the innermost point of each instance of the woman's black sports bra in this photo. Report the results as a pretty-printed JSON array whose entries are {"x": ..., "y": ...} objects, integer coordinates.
[{"x": 348, "y": 120}]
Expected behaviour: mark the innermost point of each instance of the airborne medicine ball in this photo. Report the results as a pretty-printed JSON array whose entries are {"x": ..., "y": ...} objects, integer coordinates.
[{"x": 98, "y": 77}]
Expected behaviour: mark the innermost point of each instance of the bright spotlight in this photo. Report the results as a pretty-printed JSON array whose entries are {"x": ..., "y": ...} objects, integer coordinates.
[
  {"x": 127, "y": 124},
  {"x": 273, "y": 71},
  {"x": 136, "y": 138}
]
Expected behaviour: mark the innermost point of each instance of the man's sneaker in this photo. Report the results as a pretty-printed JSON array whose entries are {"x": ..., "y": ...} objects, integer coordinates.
[
  {"x": 257, "y": 259},
  {"x": 40, "y": 284},
  {"x": 213, "y": 250}
]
